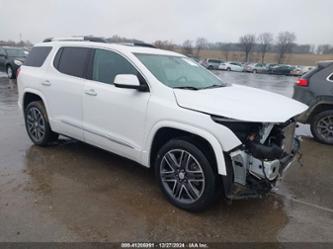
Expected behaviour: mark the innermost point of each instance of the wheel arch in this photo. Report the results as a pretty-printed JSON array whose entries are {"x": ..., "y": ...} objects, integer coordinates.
[
  {"x": 320, "y": 107},
  {"x": 30, "y": 95},
  {"x": 160, "y": 134},
  {"x": 8, "y": 64}
]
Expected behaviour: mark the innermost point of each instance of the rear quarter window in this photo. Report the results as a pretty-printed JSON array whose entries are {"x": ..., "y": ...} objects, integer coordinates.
[
  {"x": 37, "y": 56},
  {"x": 72, "y": 61}
]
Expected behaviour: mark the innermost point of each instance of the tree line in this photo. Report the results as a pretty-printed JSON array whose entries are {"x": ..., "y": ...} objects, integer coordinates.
[
  {"x": 11, "y": 43},
  {"x": 283, "y": 44}
]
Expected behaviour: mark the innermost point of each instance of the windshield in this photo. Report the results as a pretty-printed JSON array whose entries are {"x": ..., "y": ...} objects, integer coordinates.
[
  {"x": 179, "y": 72},
  {"x": 15, "y": 52}
]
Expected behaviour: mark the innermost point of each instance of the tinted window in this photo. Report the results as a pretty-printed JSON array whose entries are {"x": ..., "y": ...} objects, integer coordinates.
[
  {"x": 108, "y": 64},
  {"x": 37, "y": 56},
  {"x": 72, "y": 61}
]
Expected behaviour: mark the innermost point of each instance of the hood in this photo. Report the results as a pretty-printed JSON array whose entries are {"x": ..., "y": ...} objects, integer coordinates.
[{"x": 241, "y": 103}]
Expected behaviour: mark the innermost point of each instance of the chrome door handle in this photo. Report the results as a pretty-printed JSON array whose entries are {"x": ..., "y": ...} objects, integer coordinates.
[
  {"x": 46, "y": 83},
  {"x": 90, "y": 92}
]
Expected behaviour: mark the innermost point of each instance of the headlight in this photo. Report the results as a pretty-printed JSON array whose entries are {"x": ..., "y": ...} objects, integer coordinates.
[{"x": 17, "y": 62}]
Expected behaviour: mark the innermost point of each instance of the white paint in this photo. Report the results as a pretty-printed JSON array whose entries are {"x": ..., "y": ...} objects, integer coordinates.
[{"x": 241, "y": 103}]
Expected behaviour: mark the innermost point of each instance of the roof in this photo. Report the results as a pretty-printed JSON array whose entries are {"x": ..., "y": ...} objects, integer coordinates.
[
  {"x": 125, "y": 48},
  {"x": 325, "y": 63}
]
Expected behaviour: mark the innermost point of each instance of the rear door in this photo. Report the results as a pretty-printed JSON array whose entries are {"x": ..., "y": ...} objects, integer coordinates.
[
  {"x": 114, "y": 118},
  {"x": 64, "y": 88}
]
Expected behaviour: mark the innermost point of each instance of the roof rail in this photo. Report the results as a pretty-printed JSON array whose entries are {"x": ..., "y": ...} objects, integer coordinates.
[
  {"x": 139, "y": 44},
  {"x": 76, "y": 38}
]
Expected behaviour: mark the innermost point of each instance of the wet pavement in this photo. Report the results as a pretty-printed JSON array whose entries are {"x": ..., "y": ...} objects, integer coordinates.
[{"x": 75, "y": 192}]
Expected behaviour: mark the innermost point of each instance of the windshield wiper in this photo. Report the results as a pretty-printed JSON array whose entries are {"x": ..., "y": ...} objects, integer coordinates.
[
  {"x": 187, "y": 87},
  {"x": 212, "y": 86}
]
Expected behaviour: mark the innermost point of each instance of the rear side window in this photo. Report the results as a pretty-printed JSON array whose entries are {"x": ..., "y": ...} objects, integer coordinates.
[
  {"x": 37, "y": 56},
  {"x": 72, "y": 61}
]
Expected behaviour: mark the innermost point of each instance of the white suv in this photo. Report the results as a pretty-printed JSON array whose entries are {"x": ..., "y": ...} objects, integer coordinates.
[{"x": 164, "y": 111}]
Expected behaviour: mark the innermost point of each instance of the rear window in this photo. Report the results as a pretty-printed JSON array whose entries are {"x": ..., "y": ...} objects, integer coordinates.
[
  {"x": 37, "y": 56},
  {"x": 72, "y": 61}
]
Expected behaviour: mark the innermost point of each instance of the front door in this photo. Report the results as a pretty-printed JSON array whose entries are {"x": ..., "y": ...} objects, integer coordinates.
[{"x": 113, "y": 118}]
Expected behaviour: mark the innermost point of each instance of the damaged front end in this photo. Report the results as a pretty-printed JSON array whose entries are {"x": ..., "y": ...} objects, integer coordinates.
[{"x": 267, "y": 151}]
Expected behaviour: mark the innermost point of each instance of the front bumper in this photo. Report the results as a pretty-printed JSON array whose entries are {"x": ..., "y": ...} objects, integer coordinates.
[{"x": 255, "y": 186}]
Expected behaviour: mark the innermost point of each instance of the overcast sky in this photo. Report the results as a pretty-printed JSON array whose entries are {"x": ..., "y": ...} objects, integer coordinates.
[{"x": 176, "y": 20}]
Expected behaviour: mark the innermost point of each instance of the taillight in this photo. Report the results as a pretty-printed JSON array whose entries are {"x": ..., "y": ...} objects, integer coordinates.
[
  {"x": 17, "y": 72},
  {"x": 302, "y": 82}
]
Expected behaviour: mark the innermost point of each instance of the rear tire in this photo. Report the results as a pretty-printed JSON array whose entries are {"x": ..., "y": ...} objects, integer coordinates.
[
  {"x": 185, "y": 175},
  {"x": 228, "y": 69},
  {"x": 37, "y": 124},
  {"x": 322, "y": 127}
]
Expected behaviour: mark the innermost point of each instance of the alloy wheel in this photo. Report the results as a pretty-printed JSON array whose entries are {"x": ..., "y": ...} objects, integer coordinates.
[
  {"x": 36, "y": 124},
  {"x": 325, "y": 127},
  {"x": 182, "y": 176}
]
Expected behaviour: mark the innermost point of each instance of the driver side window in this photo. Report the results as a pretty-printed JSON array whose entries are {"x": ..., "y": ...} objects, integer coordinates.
[{"x": 107, "y": 64}]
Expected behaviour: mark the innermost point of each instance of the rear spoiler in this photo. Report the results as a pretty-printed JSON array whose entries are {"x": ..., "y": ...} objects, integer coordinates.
[{"x": 323, "y": 64}]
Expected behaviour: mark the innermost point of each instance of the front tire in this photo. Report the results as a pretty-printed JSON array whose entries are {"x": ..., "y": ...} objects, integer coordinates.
[
  {"x": 37, "y": 124},
  {"x": 322, "y": 127},
  {"x": 185, "y": 175},
  {"x": 10, "y": 72}
]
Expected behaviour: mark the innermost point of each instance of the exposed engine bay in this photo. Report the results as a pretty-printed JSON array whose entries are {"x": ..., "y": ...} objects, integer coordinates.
[{"x": 267, "y": 150}]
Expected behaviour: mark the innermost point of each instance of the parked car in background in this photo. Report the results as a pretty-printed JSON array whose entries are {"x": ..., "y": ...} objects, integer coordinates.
[
  {"x": 306, "y": 69},
  {"x": 211, "y": 63},
  {"x": 297, "y": 71},
  {"x": 315, "y": 89},
  {"x": 280, "y": 69},
  {"x": 11, "y": 58},
  {"x": 231, "y": 66},
  {"x": 270, "y": 65},
  {"x": 255, "y": 68}
]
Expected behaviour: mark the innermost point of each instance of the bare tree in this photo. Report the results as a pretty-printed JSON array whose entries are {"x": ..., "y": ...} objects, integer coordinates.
[
  {"x": 187, "y": 48},
  {"x": 324, "y": 49},
  {"x": 247, "y": 43},
  {"x": 225, "y": 49},
  {"x": 264, "y": 42},
  {"x": 168, "y": 45},
  {"x": 284, "y": 44},
  {"x": 200, "y": 44}
]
